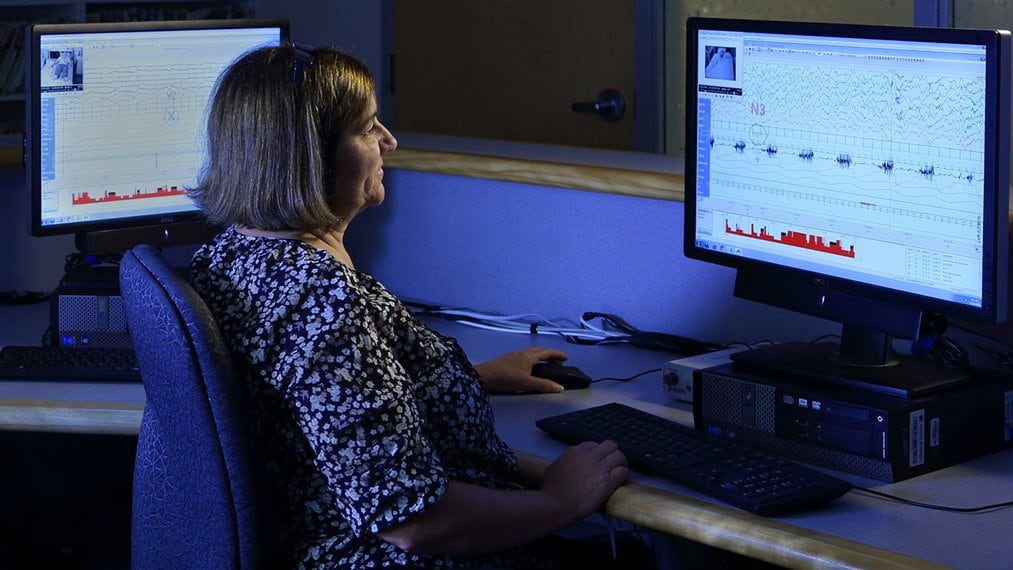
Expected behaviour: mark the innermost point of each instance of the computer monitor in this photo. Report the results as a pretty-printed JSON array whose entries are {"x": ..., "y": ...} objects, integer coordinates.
[
  {"x": 115, "y": 118},
  {"x": 856, "y": 173}
]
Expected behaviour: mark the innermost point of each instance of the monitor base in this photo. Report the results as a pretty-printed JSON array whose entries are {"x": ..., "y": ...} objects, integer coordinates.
[{"x": 903, "y": 376}]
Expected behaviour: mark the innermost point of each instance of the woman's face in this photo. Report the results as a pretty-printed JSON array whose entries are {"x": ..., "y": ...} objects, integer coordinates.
[{"x": 359, "y": 168}]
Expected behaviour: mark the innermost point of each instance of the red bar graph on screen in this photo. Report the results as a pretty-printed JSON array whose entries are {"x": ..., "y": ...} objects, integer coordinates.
[
  {"x": 794, "y": 239},
  {"x": 160, "y": 192}
]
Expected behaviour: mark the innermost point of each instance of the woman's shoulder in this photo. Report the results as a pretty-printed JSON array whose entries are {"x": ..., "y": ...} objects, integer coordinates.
[
  {"x": 239, "y": 249},
  {"x": 284, "y": 264}
]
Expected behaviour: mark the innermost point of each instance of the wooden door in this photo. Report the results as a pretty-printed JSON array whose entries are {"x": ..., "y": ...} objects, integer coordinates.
[{"x": 512, "y": 69}]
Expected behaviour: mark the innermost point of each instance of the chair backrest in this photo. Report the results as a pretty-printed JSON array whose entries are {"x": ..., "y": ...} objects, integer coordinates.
[{"x": 198, "y": 499}]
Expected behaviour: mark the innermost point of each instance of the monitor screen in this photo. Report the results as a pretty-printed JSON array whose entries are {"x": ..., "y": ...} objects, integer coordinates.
[
  {"x": 856, "y": 173},
  {"x": 116, "y": 116}
]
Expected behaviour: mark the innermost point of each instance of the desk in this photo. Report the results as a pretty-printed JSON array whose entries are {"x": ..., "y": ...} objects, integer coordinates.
[
  {"x": 113, "y": 409},
  {"x": 856, "y": 531}
]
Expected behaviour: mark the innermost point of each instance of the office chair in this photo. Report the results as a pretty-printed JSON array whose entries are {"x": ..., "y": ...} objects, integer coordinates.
[{"x": 197, "y": 497}]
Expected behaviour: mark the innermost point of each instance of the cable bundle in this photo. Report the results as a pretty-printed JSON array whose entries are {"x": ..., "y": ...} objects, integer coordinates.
[{"x": 593, "y": 328}]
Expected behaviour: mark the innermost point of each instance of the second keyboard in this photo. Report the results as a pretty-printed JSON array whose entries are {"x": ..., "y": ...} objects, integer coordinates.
[
  {"x": 726, "y": 470},
  {"x": 62, "y": 363}
]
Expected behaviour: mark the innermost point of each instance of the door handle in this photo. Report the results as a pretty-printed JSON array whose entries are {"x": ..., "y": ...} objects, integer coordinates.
[{"x": 611, "y": 105}]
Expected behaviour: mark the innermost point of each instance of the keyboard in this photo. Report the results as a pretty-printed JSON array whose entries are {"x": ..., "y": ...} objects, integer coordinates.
[
  {"x": 726, "y": 470},
  {"x": 80, "y": 364}
]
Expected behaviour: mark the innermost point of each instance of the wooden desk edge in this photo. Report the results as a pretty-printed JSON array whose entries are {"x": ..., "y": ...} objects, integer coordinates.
[
  {"x": 71, "y": 416},
  {"x": 734, "y": 530}
]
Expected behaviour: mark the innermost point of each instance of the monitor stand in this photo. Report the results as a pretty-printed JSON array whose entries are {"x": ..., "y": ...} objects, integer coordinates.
[{"x": 903, "y": 377}]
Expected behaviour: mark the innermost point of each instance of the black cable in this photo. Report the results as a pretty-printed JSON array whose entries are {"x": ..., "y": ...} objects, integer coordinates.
[
  {"x": 77, "y": 260},
  {"x": 651, "y": 340},
  {"x": 616, "y": 321},
  {"x": 672, "y": 343},
  {"x": 950, "y": 353},
  {"x": 751, "y": 345},
  {"x": 628, "y": 378},
  {"x": 822, "y": 338},
  {"x": 913, "y": 503},
  {"x": 23, "y": 297}
]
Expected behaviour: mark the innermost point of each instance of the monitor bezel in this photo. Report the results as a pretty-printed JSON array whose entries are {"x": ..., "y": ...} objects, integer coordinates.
[
  {"x": 150, "y": 224},
  {"x": 829, "y": 296}
]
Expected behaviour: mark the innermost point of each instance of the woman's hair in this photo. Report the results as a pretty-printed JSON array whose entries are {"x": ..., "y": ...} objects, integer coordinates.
[{"x": 272, "y": 132}]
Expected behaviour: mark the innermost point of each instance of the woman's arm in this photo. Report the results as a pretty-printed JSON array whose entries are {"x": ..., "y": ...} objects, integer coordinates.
[{"x": 470, "y": 519}]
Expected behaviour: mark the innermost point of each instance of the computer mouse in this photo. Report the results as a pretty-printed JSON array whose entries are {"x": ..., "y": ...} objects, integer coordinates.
[{"x": 569, "y": 377}]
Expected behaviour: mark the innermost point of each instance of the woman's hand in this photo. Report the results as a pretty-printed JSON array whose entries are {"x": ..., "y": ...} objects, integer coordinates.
[
  {"x": 511, "y": 372},
  {"x": 585, "y": 476},
  {"x": 470, "y": 518}
]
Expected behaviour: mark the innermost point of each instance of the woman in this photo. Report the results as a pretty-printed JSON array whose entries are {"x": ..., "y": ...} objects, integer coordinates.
[{"x": 379, "y": 431}]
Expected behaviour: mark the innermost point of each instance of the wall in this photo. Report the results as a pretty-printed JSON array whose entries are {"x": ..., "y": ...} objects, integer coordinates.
[
  {"x": 515, "y": 248},
  {"x": 26, "y": 263},
  {"x": 352, "y": 25}
]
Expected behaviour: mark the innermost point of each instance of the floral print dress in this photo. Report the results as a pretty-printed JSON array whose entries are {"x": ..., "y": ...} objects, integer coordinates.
[{"x": 365, "y": 413}]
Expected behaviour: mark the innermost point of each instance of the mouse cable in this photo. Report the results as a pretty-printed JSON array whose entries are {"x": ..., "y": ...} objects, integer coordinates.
[
  {"x": 628, "y": 378},
  {"x": 913, "y": 503}
]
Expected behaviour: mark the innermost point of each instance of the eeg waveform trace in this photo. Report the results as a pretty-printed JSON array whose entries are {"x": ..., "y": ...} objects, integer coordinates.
[{"x": 845, "y": 160}]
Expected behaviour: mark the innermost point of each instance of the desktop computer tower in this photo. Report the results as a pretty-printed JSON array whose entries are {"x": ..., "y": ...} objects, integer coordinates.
[
  {"x": 879, "y": 436},
  {"x": 87, "y": 310}
]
